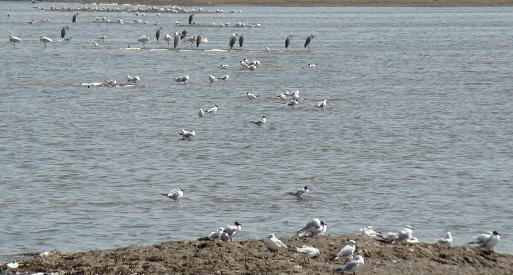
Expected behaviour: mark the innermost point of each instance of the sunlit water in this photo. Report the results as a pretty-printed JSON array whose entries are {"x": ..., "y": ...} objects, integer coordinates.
[{"x": 418, "y": 128}]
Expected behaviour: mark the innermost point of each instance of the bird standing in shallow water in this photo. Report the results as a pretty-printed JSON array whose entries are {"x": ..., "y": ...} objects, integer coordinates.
[
  {"x": 308, "y": 41},
  {"x": 157, "y": 33},
  {"x": 288, "y": 40},
  {"x": 241, "y": 40},
  {"x": 233, "y": 40},
  {"x": 45, "y": 39},
  {"x": 63, "y": 31},
  {"x": 14, "y": 40}
]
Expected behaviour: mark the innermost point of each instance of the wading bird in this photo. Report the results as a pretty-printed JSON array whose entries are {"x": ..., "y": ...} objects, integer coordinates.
[{"x": 14, "y": 40}]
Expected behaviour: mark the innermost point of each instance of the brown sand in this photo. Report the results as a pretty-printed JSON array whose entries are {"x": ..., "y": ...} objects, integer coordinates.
[
  {"x": 252, "y": 257},
  {"x": 413, "y": 3}
]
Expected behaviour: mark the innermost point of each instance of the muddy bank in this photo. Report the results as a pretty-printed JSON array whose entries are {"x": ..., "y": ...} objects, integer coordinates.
[
  {"x": 294, "y": 3},
  {"x": 252, "y": 257}
]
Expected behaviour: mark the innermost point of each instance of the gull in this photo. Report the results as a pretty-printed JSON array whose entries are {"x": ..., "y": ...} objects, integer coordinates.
[
  {"x": 322, "y": 103},
  {"x": 212, "y": 78},
  {"x": 191, "y": 40},
  {"x": 274, "y": 244},
  {"x": 201, "y": 113},
  {"x": 212, "y": 110},
  {"x": 96, "y": 45},
  {"x": 267, "y": 49},
  {"x": 369, "y": 231},
  {"x": 295, "y": 95},
  {"x": 225, "y": 66},
  {"x": 312, "y": 65},
  {"x": 406, "y": 233},
  {"x": 251, "y": 96},
  {"x": 447, "y": 240},
  {"x": 102, "y": 38},
  {"x": 412, "y": 240},
  {"x": 353, "y": 265},
  {"x": 143, "y": 39},
  {"x": 186, "y": 135},
  {"x": 347, "y": 251},
  {"x": 168, "y": 38},
  {"x": 175, "y": 194},
  {"x": 293, "y": 102},
  {"x": 324, "y": 228},
  {"x": 14, "y": 40},
  {"x": 308, "y": 251},
  {"x": 301, "y": 194},
  {"x": 176, "y": 39},
  {"x": 487, "y": 240},
  {"x": 388, "y": 237},
  {"x": 133, "y": 79},
  {"x": 45, "y": 39},
  {"x": 233, "y": 230},
  {"x": 282, "y": 97},
  {"x": 216, "y": 234},
  {"x": 312, "y": 229},
  {"x": 182, "y": 78},
  {"x": 224, "y": 77},
  {"x": 260, "y": 122}
]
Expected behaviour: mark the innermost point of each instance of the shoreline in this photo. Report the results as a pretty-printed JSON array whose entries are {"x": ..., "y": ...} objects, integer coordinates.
[
  {"x": 253, "y": 257},
  {"x": 311, "y": 3}
]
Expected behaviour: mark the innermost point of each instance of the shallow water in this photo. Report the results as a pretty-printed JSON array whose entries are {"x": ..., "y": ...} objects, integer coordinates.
[{"x": 417, "y": 130}]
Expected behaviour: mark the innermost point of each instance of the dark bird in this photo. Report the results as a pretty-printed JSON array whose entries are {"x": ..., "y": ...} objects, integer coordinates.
[
  {"x": 241, "y": 40},
  {"x": 63, "y": 31},
  {"x": 233, "y": 39},
  {"x": 309, "y": 39},
  {"x": 157, "y": 34},
  {"x": 198, "y": 40},
  {"x": 288, "y": 41},
  {"x": 184, "y": 34},
  {"x": 74, "y": 19},
  {"x": 190, "y": 18}
]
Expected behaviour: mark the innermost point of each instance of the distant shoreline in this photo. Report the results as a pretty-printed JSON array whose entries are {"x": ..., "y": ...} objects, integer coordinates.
[{"x": 315, "y": 3}]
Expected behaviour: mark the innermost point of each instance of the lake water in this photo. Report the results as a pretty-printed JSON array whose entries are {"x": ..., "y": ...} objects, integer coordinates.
[{"x": 418, "y": 128}]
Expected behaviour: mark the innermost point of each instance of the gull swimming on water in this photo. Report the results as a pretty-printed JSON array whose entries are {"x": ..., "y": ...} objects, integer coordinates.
[
  {"x": 133, "y": 79},
  {"x": 353, "y": 265},
  {"x": 251, "y": 96},
  {"x": 301, "y": 193},
  {"x": 186, "y": 134},
  {"x": 314, "y": 228},
  {"x": 487, "y": 240},
  {"x": 347, "y": 251},
  {"x": 183, "y": 79},
  {"x": 322, "y": 103},
  {"x": 447, "y": 240},
  {"x": 273, "y": 243},
  {"x": 212, "y": 110},
  {"x": 260, "y": 122},
  {"x": 175, "y": 194},
  {"x": 212, "y": 78},
  {"x": 14, "y": 40},
  {"x": 225, "y": 66},
  {"x": 201, "y": 113}
]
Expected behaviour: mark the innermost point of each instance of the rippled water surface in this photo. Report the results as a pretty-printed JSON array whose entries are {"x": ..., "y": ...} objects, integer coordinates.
[{"x": 418, "y": 128}]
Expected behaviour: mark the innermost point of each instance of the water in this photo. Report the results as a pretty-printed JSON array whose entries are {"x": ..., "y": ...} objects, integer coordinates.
[{"x": 417, "y": 130}]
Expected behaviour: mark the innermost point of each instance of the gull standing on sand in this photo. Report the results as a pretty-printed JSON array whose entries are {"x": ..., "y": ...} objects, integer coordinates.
[
  {"x": 260, "y": 122},
  {"x": 406, "y": 233},
  {"x": 274, "y": 244},
  {"x": 314, "y": 228},
  {"x": 14, "y": 40},
  {"x": 347, "y": 251},
  {"x": 233, "y": 230},
  {"x": 301, "y": 193},
  {"x": 308, "y": 251},
  {"x": 447, "y": 240},
  {"x": 45, "y": 39},
  {"x": 143, "y": 39},
  {"x": 212, "y": 110},
  {"x": 186, "y": 135},
  {"x": 487, "y": 240},
  {"x": 174, "y": 195},
  {"x": 216, "y": 234},
  {"x": 288, "y": 40},
  {"x": 353, "y": 265},
  {"x": 369, "y": 231}
]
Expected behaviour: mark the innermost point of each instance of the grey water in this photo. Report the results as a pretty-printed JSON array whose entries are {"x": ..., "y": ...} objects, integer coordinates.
[{"x": 418, "y": 128}]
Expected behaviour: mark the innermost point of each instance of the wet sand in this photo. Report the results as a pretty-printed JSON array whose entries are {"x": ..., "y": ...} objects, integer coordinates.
[
  {"x": 341, "y": 3},
  {"x": 252, "y": 257}
]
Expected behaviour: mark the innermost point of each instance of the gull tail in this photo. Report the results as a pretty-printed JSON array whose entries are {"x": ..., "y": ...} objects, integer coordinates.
[{"x": 164, "y": 194}]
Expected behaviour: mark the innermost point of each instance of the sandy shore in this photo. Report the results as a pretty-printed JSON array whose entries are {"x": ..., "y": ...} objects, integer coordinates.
[
  {"x": 341, "y": 3},
  {"x": 252, "y": 257}
]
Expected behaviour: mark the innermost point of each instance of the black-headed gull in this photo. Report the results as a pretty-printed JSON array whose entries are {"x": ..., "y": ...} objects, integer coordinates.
[
  {"x": 251, "y": 96},
  {"x": 322, "y": 103},
  {"x": 273, "y": 243},
  {"x": 347, "y": 251},
  {"x": 301, "y": 193},
  {"x": 174, "y": 195},
  {"x": 187, "y": 134},
  {"x": 487, "y": 240},
  {"x": 260, "y": 122},
  {"x": 212, "y": 110},
  {"x": 233, "y": 230},
  {"x": 314, "y": 228}
]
